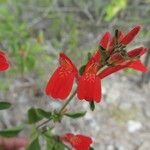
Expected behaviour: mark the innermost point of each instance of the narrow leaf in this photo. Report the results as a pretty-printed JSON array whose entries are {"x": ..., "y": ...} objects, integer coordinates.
[
  {"x": 53, "y": 144},
  {"x": 75, "y": 115},
  {"x": 4, "y": 105},
  {"x": 11, "y": 132},
  {"x": 89, "y": 55},
  {"x": 44, "y": 113},
  {"x": 92, "y": 105},
  {"x": 34, "y": 145},
  {"x": 81, "y": 70}
]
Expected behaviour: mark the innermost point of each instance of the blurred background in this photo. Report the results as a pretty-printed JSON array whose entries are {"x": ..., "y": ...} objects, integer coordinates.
[{"x": 34, "y": 32}]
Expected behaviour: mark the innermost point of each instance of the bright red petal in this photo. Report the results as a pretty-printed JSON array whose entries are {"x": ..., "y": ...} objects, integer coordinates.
[
  {"x": 130, "y": 35},
  {"x": 120, "y": 36},
  {"x": 105, "y": 39},
  {"x": 78, "y": 142},
  {"x": 4, "y": 66},
  {"x": 89, "y": 88},
  {"x": 83, "y": 142},
  {"x": 138, "y": 65},
  {"x": 110, "y": 70},
  {"x": 93, "y": 64},
  {"x": 2, "y": 53},
  {"x": 61, "y": 82},
  {"x": 137, "y": 52},
  {"x": 2, "y": 58}
]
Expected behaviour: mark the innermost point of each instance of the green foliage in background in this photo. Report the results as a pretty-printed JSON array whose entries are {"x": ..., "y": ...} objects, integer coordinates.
[{"x": 114, "y": 7}]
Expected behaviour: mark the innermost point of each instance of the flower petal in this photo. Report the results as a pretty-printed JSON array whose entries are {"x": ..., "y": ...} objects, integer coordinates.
[
  {"x": 78, "y": 142},
  {"x": 4, "y": 66},
  {"x": 137, "y": 52},
  {"x": 110, "y": 70},
  {"x": 89, "y": 88},
  {"x": 138, "y": 65},
  {"x": 105, "y": 39},
  {"x": 130, "y": 35},
  {"x": 61, "y": 82}
]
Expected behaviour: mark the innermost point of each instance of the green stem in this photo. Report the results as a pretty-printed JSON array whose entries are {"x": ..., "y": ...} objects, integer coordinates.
[
  {"x": 60, "y": 111},
  {"x": 67, "y": 102}
]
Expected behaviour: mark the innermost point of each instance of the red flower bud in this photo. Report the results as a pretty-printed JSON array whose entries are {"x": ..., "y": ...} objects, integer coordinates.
[
  {"x": 105, "y": 39},
  {"x": 130, "y": 35},
  {"x": 136, "y": 65},
  {"x": 117, "y": 59},
  {"x": 78, "y": 142},
  {"x": 4, "y": 64}
]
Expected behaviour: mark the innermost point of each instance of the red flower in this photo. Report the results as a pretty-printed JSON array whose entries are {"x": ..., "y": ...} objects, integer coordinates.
[
  {"x": 117, "y": 59},
  {"x": 136, "y": 65},
  {"x": 4, "y": 64},
  {"x": 124, "y": 39},
  {"x": 130, "y": 35},
  {"x": 78, "y": 142},
  {"x": 105, "y": 40},
  {"x": 61, "y": 82},
  {"x": 89, "y": 85}
]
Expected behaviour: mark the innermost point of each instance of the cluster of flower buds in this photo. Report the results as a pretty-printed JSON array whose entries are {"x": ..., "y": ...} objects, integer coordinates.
[
  {"x": 111, "y": 56},
  {"x": 4, "y": 63}
]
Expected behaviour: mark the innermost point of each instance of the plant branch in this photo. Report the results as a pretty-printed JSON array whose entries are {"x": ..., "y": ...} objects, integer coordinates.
[{"x": 60, "y": 111}]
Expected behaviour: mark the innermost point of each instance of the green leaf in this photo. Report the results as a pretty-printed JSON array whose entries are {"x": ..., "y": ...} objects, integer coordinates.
[
  {"x": 11, "y": 132},
  {"x": 33, "y": 115},
  {"x": 91, "y": 148},
  {"x": 59, "y": 146},
  {"x": 81, "y": 70},
  {"x": 92, "y": 105},
  {"x": 34, "y": 145},
  {"x": 53, "y": 144},
  {"x": 50, "y": 144},
  {"x": 4, "y": 105},
  {"x": 44, "y": 113},
  {"x": 89, "y": 55},
  {"x": 75, "y": 115}
]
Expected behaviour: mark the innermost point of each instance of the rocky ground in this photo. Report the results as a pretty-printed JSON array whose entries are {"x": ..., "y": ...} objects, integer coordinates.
[{"x": 120, "y": 122}]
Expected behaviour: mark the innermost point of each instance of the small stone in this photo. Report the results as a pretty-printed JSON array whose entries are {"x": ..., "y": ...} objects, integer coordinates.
[
  {"x": 110, "y": 147},
  {"x": 134, "y": 126}
]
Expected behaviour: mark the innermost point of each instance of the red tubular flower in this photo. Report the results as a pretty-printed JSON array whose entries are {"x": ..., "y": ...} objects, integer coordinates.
[
  {"x": 136, "y": 65},
  {"x": 4, "y": 64},
  {"x": 89, "y": 85},
  {"x": 78, "y": 142},
  {"x": 61, "y": 82},
  {"x": 117, "y": 59},
  {"x": 105, "y": 40},
  {"x": 130, "y": 35}
]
